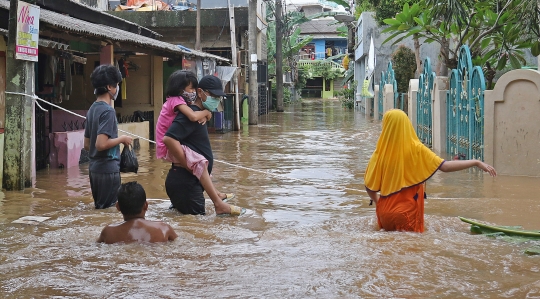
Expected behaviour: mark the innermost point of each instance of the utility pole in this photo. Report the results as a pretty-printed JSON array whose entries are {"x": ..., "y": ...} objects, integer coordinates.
[
  {"x": 279, "y": 57},
  {"x": 198, "y": 27},
  {"x": 252, "y": 44},
  {"x": 232, "y": 25},
  {"x": 18, "y": 148}
]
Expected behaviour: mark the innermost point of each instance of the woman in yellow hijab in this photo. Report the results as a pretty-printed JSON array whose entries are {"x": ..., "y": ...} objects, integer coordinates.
[{"x": 398, "y": 169}]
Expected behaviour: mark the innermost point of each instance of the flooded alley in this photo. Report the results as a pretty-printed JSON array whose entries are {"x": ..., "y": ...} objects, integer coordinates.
[{"x": 308, "y": 232}]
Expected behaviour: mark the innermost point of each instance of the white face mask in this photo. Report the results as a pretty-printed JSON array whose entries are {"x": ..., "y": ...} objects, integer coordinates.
[{"x": 115, "y": 95}]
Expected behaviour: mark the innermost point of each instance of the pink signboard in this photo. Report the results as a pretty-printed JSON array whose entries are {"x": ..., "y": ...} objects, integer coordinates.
[{"x": 26, "y": 47}]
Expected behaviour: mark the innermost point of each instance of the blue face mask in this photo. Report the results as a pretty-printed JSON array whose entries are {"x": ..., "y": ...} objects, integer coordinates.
[{"x": 211, "y": 103}]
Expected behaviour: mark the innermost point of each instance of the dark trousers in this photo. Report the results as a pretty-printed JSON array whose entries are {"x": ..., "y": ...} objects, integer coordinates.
[
  {"x": 185, "y": 191},
  {"x": 104, "y": 188}
]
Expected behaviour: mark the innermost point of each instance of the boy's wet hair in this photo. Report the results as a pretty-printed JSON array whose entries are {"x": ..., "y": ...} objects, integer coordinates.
[
  {"x": 179, "y": 80},
  {"x": 131, "y": 198},
  {"x": 104, "y": 75}
]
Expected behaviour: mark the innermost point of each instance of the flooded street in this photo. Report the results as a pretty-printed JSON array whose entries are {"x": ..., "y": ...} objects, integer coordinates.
[{"x": 309, "y": 231}]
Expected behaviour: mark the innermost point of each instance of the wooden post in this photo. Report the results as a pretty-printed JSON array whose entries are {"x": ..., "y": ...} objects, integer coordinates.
[
  {"x": 106, "y": 56},
  {"x": 234, "y": 64},
  {"x": 252, "y": 43},
  {"x": 19, "y": 147}
]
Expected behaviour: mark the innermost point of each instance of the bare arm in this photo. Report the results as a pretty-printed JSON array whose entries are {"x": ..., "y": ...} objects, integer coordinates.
[
  {"x": 103, "y": 142},
  {"x": 457, "y": 165},
  {"x": 175, "y": 149},
  {"x": 87, "y": 144},
  {"x": 198, "y": 116},
  {"x": 101, "y": 238},
  {"x": 374, "y": 196},
  {"x": 171, "y": 234}
]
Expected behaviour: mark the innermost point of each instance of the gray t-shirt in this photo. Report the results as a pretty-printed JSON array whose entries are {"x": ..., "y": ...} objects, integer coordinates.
[{"x": 101, "y": 119}]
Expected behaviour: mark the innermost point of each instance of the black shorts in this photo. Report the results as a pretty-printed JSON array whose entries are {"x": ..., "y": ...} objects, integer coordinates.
[
  {"x": 104, "y": 188},
  {"x": 185, "y": 191}
]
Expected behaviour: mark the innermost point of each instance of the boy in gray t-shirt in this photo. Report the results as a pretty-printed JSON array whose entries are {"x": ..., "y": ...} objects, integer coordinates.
[{"x": 101, "y": 137}]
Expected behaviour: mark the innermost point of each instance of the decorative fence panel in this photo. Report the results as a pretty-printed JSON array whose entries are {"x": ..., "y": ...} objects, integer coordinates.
[
  {"x": 465, "y": 109},
  {"x": 424, "y": 122},
  {"x": 387, "y": 77},
  {"x": 391, "y": 79}
]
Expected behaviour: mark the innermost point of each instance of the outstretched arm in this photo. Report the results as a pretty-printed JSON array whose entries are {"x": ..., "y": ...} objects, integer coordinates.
[{"x": 456, "y": 165}]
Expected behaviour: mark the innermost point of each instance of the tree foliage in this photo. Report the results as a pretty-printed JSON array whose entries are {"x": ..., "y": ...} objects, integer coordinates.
[
  {"x": 494, "y": 30},
  {"x": 403, "y": 62}
]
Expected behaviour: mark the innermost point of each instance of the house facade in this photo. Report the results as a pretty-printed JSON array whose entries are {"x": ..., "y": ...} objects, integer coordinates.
[
  {"x": 179, "y": 27},
  {"x": 70, "y": 47},
  {"x": 326, "y": 43}
]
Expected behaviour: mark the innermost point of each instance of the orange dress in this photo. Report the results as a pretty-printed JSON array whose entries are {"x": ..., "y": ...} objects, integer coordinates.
[
  {"x": 402, "y": 211},
  {"x": 397, "y": 170}
]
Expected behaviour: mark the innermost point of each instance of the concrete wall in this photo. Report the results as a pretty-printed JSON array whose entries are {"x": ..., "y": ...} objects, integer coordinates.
[
  {"x": 440, "y": 86},
  {"x": 388, "y": 97},
  {"x": 413, "y": 103},
  {"x": 140, "y": 129},
  {"x": 319, "y": 45},
  {"x": 140, "y": 84},
  {"x": 368, "y": 27},
  {"x": 66, "y": 146},
  {"x": 511, "y": 122}
]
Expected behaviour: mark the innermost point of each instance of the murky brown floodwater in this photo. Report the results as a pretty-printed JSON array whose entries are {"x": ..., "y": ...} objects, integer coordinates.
[{"x": 298, "y": 240}]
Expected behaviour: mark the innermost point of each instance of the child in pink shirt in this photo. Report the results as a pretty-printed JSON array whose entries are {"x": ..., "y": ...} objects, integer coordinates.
[{"x": 184, "y": 83}]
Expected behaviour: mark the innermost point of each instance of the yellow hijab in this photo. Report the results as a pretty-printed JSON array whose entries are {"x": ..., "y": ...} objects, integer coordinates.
[{"x": 400, "y": 160}]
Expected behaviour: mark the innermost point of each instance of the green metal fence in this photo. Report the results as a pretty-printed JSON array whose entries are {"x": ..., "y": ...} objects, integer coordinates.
[
  {"x": 387, "y": 77},
  {"x": 381, "y": 96},
  {"x": 424, "y": 121},
  {"x": 465, "y": 109}
]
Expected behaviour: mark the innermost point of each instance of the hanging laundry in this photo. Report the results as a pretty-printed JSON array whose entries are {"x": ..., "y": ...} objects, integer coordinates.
[{"x": 124, "y": 90}]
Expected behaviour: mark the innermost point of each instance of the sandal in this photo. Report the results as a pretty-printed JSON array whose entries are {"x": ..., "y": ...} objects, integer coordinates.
[{"x": 235, "y": 211}]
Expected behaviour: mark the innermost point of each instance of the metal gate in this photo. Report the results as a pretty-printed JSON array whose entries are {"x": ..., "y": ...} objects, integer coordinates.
[
  {"x": 424, "y": 120},
  {"x": 379, "y": 111},
  {"x": 387, "y": 77},
  {"x": 465, "y": 109},
  {"x": 262, "y": 90},
  {"x": 263, "y": 98}
]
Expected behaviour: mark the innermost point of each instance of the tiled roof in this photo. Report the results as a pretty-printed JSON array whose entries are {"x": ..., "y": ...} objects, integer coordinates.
[{"x": 99, "y": 31}]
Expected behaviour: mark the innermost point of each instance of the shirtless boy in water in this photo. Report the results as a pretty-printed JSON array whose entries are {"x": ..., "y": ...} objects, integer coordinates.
[{"x": 133, "y": 205}]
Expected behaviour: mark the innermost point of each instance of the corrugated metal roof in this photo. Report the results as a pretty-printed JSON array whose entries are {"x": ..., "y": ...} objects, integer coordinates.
[
  {"x": 320, "y": 27},
  {"x": 113, "y": 16},
  {"x": 70, "y": 24}
]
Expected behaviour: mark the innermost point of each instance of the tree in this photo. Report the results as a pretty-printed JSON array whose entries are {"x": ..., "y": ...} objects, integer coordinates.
[
  {"x": 494, "y": 30},
  {"x": 405, "y": 21},
  {"x": 403, "y": 62}
]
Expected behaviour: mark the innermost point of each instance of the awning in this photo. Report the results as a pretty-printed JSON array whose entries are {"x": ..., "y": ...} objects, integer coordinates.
[
  {"x": 87, "y": 29},
  {"x": 54, "y": 45}
]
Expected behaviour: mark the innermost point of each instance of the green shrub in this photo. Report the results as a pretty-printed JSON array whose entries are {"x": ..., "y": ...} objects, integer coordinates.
[
  {"x": 346, "y": 95},
  {"x": 404, "y": 64},
  {"x": 286, "y": 95}
]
